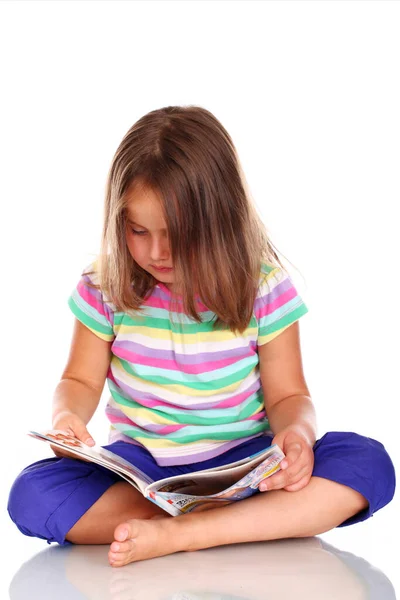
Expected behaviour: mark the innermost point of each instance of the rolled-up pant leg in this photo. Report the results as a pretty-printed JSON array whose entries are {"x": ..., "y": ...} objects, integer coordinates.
[
  {"x": 51, "y": 495},
  {"x": 359, "y": 462}
]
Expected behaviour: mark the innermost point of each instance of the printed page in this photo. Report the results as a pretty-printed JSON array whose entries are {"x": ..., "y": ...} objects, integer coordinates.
[
  {"x": 212, "y": 483},
  {"x": 243, "y": 461},
  {"x": 95, "y": 454},
  {"x": 246, "y": 486}
]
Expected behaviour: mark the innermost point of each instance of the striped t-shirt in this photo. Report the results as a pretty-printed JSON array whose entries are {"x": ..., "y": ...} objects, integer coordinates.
[{"x": 178, "y": 388}]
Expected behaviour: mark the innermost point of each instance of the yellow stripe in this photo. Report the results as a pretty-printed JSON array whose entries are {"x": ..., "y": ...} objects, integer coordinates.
[
  {"x": 165, "y": 443},
  {"x": 133, "y": 413},
  {"x": 263, "y": 339},
  {"x": 103, "y": 336},
  {"x": 272, "y": 273},
  {"x": 190, "y": 338}
]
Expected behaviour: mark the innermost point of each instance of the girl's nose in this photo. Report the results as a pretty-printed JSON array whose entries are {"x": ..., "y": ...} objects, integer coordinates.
[{"x": 159, "y": 249}]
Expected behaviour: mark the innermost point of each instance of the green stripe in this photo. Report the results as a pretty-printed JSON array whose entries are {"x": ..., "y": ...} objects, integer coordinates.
[
  {"x": 165, "y": 324},
  {"x": 284, "y": 321},
  {"x": 190, "y": 419},
  {"x": 214, "y": 384},
  {"x": 88, "y": 321},
  {"x": 136, "y": 433}
]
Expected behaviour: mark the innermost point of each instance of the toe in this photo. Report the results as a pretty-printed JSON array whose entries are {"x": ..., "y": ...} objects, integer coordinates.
[
  {"x": 116, "y": 547},
  {"x": 120, "y": 548},
  {"x": 116, "y": 559},
  {"x": 126, "y": 531},
  {"x": 121, "y": 532},
  {"x": 121, "y": 553}
]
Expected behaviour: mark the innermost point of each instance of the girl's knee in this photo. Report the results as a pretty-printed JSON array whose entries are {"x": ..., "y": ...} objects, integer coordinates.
[
  {"x": 21, "y": 497},
  {"x": 365, "y": 456},
  {"x": 379, "y": 462},
  {"x": 27, "y": 504}
]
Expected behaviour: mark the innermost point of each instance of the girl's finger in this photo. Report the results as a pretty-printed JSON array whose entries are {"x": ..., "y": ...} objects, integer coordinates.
[
  {"x": 295, "y": 487},
  {"x": 284, "y": 478},
  {"x": 291, "y": 456},
  {"x": 289, "y": 469}
]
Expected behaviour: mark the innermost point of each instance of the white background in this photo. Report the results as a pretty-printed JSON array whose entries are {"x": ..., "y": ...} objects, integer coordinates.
[{"x": 310, "y": 94}]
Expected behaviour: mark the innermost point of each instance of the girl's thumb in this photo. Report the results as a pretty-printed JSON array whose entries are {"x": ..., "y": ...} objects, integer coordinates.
[
  {"x": 89, "y": 440},
  {"x": 85, "y": 437}
]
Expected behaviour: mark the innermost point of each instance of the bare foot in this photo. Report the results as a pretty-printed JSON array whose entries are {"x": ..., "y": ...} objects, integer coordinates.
[{"x": 140, "y": 539}]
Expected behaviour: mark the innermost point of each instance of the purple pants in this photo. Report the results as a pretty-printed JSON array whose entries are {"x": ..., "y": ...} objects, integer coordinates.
[{"x": 51, "y": 495}]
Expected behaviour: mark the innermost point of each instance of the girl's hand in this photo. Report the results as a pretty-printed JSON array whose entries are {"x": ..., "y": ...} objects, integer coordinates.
[
  {"x": 73, "y": 425},
  {"x": 298, "y": 464}
]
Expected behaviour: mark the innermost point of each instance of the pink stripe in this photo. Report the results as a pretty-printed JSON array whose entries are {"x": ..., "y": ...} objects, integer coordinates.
[
  {"x": 232, "y": 401},
  {"x": 171, "y": 365},
  {"x": 257, "y": 416},
  {"x": 156, "y": 302},
  {"x": 91, "y": 298},
  {"x": 119, "y": 419},
  {"x": 111, "y": 377},
  {"x": 277, "y": 303},
  {"x": 170, "y": 429}
]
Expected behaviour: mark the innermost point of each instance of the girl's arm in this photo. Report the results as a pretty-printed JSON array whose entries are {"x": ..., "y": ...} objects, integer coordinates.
[
  {"x": 83, "y": 378},
  {"x": 289, "y": 409},
  {"x": 296, "y": 412},
  {"x": 286, "y": 395}
]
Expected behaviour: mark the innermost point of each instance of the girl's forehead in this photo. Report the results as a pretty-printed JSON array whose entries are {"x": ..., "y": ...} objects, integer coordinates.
[
  {"x": 139, "y": 194},
  {"x": 144, "y": 207}
]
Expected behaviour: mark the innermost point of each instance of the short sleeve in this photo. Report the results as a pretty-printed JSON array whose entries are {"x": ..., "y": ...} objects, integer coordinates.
[
  {"x": 277, "y": 305},
  {"x": 89, "y": 306}
]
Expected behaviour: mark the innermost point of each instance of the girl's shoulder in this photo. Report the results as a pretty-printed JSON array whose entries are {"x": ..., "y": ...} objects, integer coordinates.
[
  {"x": 91, "y": 273},
  {"x": 272, "y": 275},
  {"x": 269, "y": 272},
  {"x": 90, "y": 278},
  {"x": 267, "y": 268}
]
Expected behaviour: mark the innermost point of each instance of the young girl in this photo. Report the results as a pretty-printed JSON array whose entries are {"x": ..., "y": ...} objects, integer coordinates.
[{"x": 190, "y": 316}]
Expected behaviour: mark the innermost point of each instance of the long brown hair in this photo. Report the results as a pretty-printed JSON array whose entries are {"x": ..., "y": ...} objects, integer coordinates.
[{"x": 217, "y": 239}]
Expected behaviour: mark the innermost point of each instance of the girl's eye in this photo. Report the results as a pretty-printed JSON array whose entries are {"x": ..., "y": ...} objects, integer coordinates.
[{"x": 138, "y": 232}]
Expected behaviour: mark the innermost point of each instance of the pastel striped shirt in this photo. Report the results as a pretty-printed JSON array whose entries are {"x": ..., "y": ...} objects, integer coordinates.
[{"x": 183, "y": 391}]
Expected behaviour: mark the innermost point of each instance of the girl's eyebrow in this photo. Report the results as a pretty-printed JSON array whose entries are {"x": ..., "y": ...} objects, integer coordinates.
[{"x": 132, "y": 222}]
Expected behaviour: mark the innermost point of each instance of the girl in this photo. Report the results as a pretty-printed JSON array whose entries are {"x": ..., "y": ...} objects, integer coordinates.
[{"x": 190, "y": 316}]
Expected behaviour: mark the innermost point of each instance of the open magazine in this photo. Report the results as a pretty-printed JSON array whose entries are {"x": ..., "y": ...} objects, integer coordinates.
[{"x": 181, "y": 493}]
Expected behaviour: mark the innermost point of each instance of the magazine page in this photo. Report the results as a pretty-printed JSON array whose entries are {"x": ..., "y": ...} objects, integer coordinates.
[
  {"x": 213, "y": 481},
  {"x": 260, "y": 454},
  {"x": 217, "y": 479},
  {"x": 244, "y": 487},
  {"x": 95, "y": 454}
]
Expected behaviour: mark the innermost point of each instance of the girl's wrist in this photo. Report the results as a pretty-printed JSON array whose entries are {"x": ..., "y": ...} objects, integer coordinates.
[{"x": 304, "y": 430}]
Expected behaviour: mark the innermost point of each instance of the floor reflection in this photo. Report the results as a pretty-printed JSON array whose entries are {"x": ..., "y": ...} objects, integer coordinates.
[{"x": 308, "y": 568}]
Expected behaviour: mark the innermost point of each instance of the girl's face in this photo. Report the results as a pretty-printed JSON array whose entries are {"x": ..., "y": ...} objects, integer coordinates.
[{"x": 147, "y": 235}]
